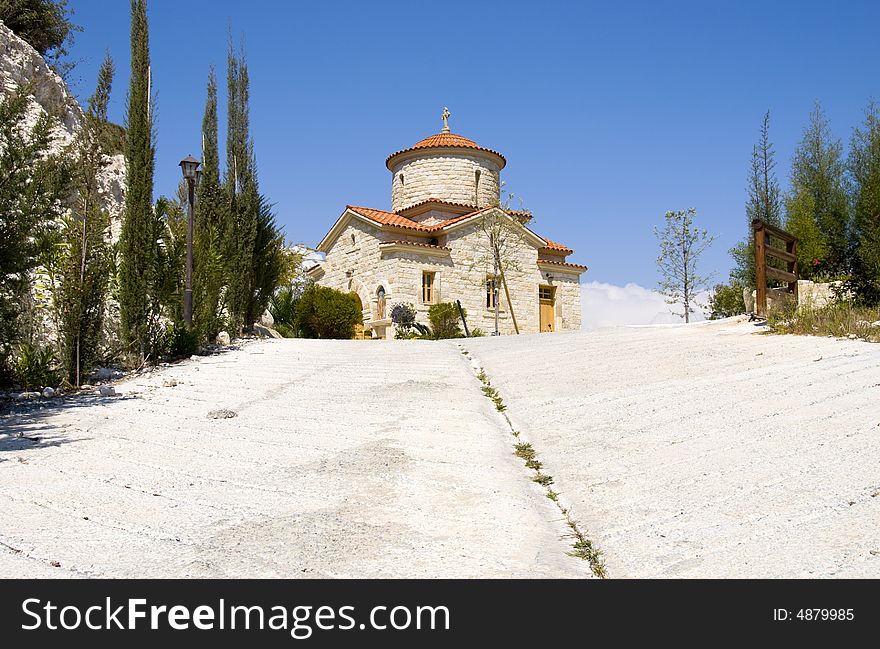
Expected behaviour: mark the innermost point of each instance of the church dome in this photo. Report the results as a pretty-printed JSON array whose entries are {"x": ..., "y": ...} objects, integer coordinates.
[
  {"x": 445, "y": 167},
  {"x": 445, "y": 141}
]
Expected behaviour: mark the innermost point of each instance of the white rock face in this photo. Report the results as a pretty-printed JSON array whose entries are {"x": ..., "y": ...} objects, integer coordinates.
[
  {"x": 223, "y": 338},
  {"x": 21, "y": 66}
]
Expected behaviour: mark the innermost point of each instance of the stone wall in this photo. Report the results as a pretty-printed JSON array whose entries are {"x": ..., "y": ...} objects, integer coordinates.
[
  {"x": 811, "y": 295},
  {"x": 447, "y": 176},
  {"x": 361, "y": 267}
]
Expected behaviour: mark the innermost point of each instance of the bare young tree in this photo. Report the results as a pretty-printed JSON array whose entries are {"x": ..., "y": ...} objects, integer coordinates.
[
  {"x": 502, "y": 233},
  {"x": 681, "y": 244}
]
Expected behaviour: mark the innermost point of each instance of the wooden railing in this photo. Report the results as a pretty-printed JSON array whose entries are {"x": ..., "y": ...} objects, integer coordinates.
[{"x": 763, "y": 249}]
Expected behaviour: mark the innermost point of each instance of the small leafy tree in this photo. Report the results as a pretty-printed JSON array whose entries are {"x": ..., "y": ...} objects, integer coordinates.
[
  {"x": 726, "y": 301},
  {"x": 323, "y": 312},
  {"x": 84, "y": 265},
  {"x": 33, "y": 187},
  {"x": 681, "y": 245},
  {"x": 169, "y": 270},
  {"x": 445, "y": 322},
  {"x": 502, "y": 233}
]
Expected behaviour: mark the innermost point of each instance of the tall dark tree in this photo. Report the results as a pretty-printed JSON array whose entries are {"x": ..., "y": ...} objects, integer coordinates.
[
  {"x": 138, "y": 247},
  {"x": 816, "y": 207},
  {"x": 763, "y": 203},
  {"x": 84, "y": 267},
  {"x": 864, "y": 169},
  {"x": 242, "y": 194},
  {"x": 208, "y": 279}
]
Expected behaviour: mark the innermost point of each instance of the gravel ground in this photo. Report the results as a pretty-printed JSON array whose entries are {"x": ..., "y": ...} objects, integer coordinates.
[
  {"x": 705, "y": 450},
  {"x": 345, "y": 459}
]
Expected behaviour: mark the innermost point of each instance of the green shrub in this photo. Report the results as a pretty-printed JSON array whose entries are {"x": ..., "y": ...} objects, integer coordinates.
[
  {"x": 282, "y": 306},
  {"x": 182, "y": 342},
  {"x": 323, "y": 312},
  {"x": 37, "y": 367},
  {"x": 726, "y": 301},
  {"x": 477, "y": 333},
  {"x": 445, "y": 322},
  {"x": 404, "y": 316}
]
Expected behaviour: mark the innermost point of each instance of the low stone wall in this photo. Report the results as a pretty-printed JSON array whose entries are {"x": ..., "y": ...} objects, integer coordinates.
[{"x": 811, "y": 295}]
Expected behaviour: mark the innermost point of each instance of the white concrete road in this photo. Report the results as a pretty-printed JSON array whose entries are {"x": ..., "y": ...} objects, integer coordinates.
[
  {"x": 346, "y": 459},
  {"x": 684, "y": 451},
  {"x": 706, "y": 450}
]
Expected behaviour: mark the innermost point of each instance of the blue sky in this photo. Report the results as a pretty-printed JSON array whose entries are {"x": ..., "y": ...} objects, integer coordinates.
[{"x": 609, "y": 113}]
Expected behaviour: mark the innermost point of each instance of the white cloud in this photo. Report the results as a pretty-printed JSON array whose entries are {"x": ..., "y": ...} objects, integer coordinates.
[{"x": 607, "y": 305}]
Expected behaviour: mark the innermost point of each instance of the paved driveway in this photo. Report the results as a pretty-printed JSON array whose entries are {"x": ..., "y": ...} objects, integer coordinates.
[
  {"x": 706, "y": 451},
  {"x": 346, "y": 459}
]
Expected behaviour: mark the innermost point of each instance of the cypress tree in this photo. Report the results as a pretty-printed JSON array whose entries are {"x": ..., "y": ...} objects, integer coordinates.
[
  {"x": 242, "y": 195},
  {"x": 138, "y": 247},
  {"x": 763, "y": 203},
  {"x": 816, "y": 209},
  {"x": 864, "y": 169},
  {"x": 85, "y": 258},
  {"x": 208, "y": 255}
]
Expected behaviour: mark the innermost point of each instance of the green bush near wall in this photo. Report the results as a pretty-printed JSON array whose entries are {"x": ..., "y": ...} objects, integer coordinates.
[{"x": 323, "y": 312}]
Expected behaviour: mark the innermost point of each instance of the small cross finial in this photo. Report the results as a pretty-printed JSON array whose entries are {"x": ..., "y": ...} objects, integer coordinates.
[{"x": 445, "y": 117}]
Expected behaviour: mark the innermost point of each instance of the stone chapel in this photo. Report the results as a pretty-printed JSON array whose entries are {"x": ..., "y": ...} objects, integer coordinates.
[{"x": 433, "y": 246}]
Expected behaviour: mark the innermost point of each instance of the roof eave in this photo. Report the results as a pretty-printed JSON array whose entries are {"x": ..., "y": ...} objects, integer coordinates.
[{"x": 406, "y": 154}]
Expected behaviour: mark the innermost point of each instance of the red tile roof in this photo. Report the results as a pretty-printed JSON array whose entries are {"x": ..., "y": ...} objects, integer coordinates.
[
  {"x": 396, "y": 220},
  {"x": 434, "y": 201},
  {"x": 389, "y": 218},
  {"x": 560, "y": 263},
  {"x": 552, "y": 246},
  {"x": 446, "y": 140}
]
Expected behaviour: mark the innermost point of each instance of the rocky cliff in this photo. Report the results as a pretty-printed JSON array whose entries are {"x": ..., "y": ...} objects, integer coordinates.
[{"x": 21, "y": 66}]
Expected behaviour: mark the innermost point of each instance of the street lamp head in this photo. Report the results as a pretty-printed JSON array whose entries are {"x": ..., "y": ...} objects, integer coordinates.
[
  {"x": 189, "y": 166},
  {"x": 198, "y": 177}
]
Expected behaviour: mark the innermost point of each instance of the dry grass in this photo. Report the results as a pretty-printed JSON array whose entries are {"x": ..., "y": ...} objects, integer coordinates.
[{"x": 839, "y": 320}]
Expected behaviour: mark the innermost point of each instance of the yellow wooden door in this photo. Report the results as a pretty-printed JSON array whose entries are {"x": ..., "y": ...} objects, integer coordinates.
[{"x": 546, "y": 300}]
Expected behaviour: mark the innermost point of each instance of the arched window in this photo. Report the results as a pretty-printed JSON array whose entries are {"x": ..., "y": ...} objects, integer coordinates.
[
  {"x": 402, "y": 181},
  {"x": 477, "y": 187},
  {"x": 380, "y": 303}
]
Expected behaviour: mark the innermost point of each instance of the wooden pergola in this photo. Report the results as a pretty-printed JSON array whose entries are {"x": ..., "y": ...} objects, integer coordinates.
[{"x": 763, "y": 231}]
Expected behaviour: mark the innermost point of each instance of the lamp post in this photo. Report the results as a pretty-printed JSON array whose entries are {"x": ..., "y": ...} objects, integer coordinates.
[{"x": 190, "y": 168}]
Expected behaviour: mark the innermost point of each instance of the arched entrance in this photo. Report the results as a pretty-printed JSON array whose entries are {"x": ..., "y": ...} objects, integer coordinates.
[{"x": 359, "y": 327}]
